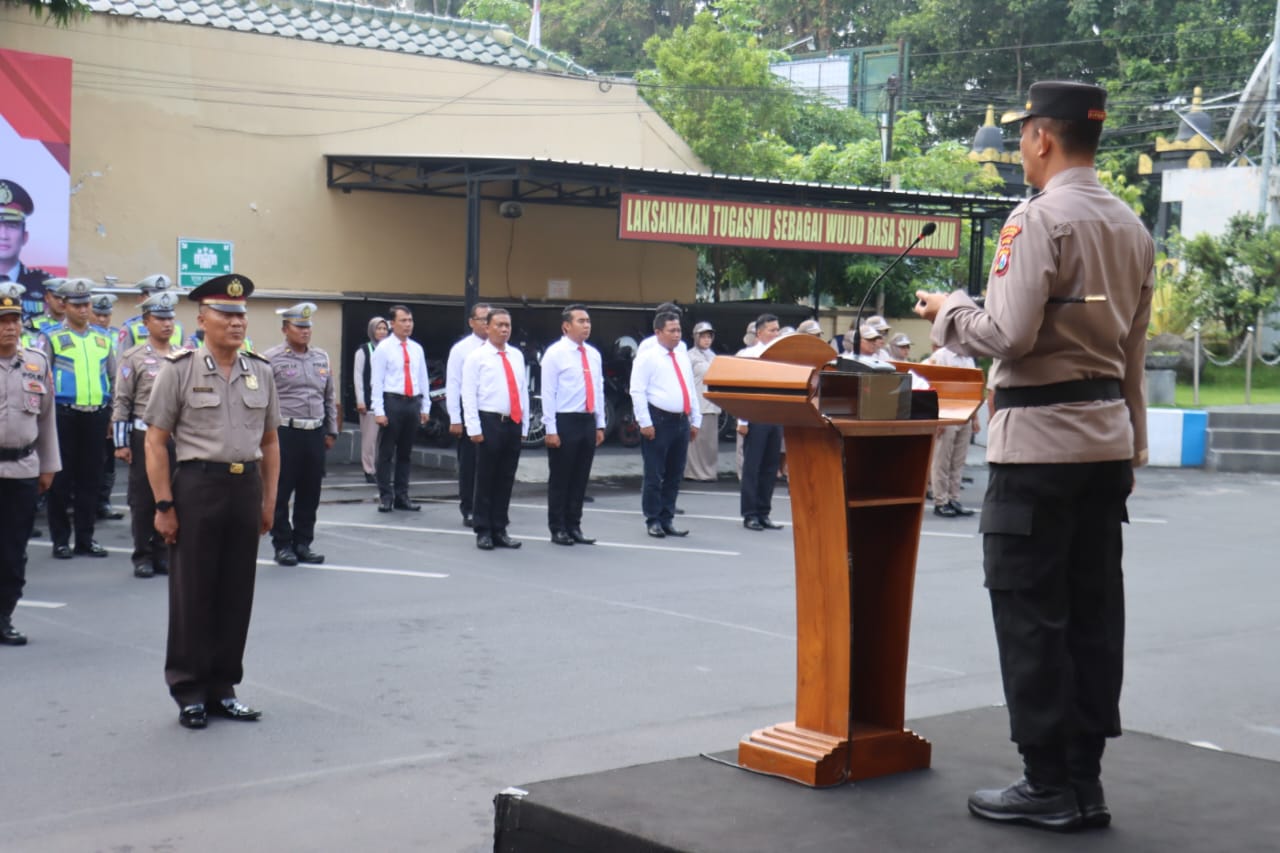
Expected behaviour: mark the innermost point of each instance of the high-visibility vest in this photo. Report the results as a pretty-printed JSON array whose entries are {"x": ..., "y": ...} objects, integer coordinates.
[
  {"x": 80, "y": 365},
  {"x": 134, "y": 331}
]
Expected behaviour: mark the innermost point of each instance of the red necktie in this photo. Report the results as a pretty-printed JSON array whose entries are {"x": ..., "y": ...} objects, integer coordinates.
[
  {"x": 586, "y": 374},
  {"x": 513, "y": 391},
  {"x": 684, "y": 389},
  {"x": 408, "y": 374}
]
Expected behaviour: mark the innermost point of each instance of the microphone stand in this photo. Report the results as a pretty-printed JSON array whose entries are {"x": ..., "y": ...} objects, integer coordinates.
[{"x": 928, "y": 229}]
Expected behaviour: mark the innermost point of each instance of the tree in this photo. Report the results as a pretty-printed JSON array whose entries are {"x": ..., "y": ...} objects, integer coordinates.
[
  {"x": 609, "y": 35},
  {"x": 1232, "y": 279},
  {"x": 61, "y": 12},
  {"x": 513, "y": 13}
]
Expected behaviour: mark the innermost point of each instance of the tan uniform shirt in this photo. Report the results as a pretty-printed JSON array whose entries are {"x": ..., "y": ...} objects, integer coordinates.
[
  {"x": 1073, "y": 239},
  {"x": 213, "y": 418},
  {"x": 304, "y": 382},
  {"x": 139, "y": 367},
  {"x": 26, "y": 414}
]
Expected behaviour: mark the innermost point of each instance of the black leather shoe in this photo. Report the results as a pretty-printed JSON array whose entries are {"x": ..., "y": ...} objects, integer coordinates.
[
  {"x": 306, "y": 555},
  {"x": 752, "y": 523},
  {"x": 959, "y": 508},
  {"x": 144, "y": 570},
  {"x": 62, "y": 552},
  {"x": 654, "y": 529},
  {"x": 369, "y": 478},
  {"x": 91, "y": 549},
  {"x": 559, "y": 537},
  {"x": 407, "y": 506},
  {"x": 286, "y": 557},
  {"x": 10, "y": 636},
  {"x": 502, "y": 540},
  {"x": 670, "y": 530},
  {"x": 234, "y": 709},
  {"x": 193, "y": 716},
  {"x": 484, "y": 542},
  {"x": 1093, "y": 805},
  {"x": 1027, "y": 803},
  {"x": 107, "y": 512},
  {"x": 944, "y": 510},
  {"x": 576, "y": 533},
  {"x": 468, "y": 520},
  {"x": 384, "y": 506},
  {"x": 161, "y": 567},
  {"x": 769, "y": 524}
]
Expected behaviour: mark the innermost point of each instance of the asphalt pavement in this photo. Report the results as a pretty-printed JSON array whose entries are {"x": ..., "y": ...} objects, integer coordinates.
[{"x": 411, "y": 677}]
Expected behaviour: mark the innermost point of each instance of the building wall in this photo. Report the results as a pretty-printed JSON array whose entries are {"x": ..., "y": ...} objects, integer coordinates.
[{"x": 1210, "y": 197}]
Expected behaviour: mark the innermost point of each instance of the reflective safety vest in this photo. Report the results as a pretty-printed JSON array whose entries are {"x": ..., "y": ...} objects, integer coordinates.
[
  {"x": 134, "y": 331},
  {"x": 27, "y": 339},
  {"x": 80, "y": 366},
  {"x": 43, "y": 322}
]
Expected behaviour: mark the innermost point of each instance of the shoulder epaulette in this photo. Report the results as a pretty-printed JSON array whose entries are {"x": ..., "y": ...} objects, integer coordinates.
[
  {"x": 131, "y": 350},
  {"x": 28, "y": 352},
  {"x": 179, "y": 355},
  {"x": 253, "y": 354}
]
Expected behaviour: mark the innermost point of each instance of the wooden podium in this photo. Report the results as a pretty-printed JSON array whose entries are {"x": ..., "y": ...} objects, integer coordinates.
[{"x": 857, "y": 502}]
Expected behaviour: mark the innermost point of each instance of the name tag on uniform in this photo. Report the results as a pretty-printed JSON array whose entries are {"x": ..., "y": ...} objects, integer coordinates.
[
  {"x": 202, "y": 390},
  {"x": 251, "y": 382}
]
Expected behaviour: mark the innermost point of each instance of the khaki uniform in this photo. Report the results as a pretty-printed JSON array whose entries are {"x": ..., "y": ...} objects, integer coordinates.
[
  {"x": 139, "y": 367},
  {"x": 218, "y": 426}
]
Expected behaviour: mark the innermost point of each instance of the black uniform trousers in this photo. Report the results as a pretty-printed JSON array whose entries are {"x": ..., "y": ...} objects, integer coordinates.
[
  {"x": 1052, "y": 549},
  {"x": 761, "y": 453},
  {"x": 664, "y": 456},
  {"x": 211, "y": 575},
  {"x": 108, "y": 484},
  {"x": 395, "y": 444},
  {"x": 497, "y": 458},
  {"x": 75, "y": 487},
  {"x": 569, "y": 469},
  {"x": 148, "y": 547},
  {"x": 466, "y": 473},
  {"x": 301, "y": 472},
  {"x": 18, "y": 497}
]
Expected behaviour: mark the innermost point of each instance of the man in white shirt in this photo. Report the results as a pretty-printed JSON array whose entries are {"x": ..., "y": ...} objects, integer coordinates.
[
  {"x": 662, "y": 395},
  {"x": 398, "y": 391},
  {"x": 478, "y": 320},
  {"x": 652, "y": 341},
  {"x": 573, "y": 412},
  {"x": 761, "y": 447},
  {"x": 495, "y": 408}
]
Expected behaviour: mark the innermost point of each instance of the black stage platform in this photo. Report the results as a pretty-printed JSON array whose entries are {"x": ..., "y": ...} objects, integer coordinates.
[{"x": 1164, "y": 795}]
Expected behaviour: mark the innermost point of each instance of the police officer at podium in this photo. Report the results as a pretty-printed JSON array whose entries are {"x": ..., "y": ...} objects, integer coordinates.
[
  {"x": 1068, "y": 301},
  {"x": 219, "y": 405}
]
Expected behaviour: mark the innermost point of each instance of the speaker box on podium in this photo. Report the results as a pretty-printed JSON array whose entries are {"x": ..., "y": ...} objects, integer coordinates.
[{"x": 858, "y": 470}]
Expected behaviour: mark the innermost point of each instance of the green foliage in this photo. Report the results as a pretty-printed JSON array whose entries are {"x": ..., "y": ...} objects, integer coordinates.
[
  {"x": 1230, "y": 279},
  {"x": 610, "y": 35},
  {"x": 513, "y": 13},
  {"x": 60, "y": 12}
]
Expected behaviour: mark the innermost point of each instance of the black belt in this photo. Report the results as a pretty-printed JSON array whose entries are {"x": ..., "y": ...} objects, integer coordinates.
[
  {"x": 401, "y": 396},
  {"x": 14, "y": 454},
  {"x": 220, "y": 467},
  {"x": 501, "y": 417},
  {"x": 662, "y": 414},
  {"x": 1075, "y": 391}
]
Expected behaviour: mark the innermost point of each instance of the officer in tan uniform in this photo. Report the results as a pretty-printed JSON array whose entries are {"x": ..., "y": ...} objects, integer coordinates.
[
  {"x": 220, "y": 406},
  {"x": 1068, "y": 301},
  {"x": 308, "y": 428},
  {"x": 139, "y": 367},
  {"x": 29, "y": 454}
]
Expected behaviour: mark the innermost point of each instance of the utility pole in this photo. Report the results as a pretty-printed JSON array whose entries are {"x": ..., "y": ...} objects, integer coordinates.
[
  {"x": 891, "y": 89},
  {"x": 1268, "y": 202}
]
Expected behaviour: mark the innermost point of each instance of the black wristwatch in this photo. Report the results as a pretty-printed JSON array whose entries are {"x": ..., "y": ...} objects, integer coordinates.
[{"x": 164, "y": 506}]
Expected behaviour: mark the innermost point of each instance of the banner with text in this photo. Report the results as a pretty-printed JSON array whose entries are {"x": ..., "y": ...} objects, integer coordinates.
[{"x": 670, "y": 219}]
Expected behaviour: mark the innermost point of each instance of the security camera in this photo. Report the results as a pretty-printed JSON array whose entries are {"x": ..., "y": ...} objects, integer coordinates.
[{"x": 511, "y": 210}]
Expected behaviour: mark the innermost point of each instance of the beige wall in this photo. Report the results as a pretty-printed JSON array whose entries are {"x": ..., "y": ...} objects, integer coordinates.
[{"x": 186, "y": 131}]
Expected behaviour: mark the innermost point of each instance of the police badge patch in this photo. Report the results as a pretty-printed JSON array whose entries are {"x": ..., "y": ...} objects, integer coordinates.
[{"x": 1005, "y": 251}]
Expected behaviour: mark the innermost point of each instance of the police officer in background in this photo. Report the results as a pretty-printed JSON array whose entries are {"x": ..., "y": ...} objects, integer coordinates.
[
  {"x": 52, "y": 311},
  {"x": 219, "y": 405},
  {"x": 102, "y": 305},
  {"x": 139, "y": 367},
  {"x": 134, "y": 330},
  {"x": 1069, "y": 426},
  {"x": 84, "y": 369},
  {"x": 479, "y": 323},
  {"x": 16, "y": 207},
  {"x": 29, "y": 454},
  {"x": 308, "y": 428}
]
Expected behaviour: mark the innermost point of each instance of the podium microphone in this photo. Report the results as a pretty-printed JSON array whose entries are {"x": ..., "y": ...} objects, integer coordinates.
[{"x": 929, "y": 228}]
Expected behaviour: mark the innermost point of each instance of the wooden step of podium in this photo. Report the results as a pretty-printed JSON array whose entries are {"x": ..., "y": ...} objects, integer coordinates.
[{"x": 818, "y": 760}]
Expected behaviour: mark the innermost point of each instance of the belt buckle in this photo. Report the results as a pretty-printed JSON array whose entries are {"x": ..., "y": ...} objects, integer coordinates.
[{"x": 236, "y": 468}]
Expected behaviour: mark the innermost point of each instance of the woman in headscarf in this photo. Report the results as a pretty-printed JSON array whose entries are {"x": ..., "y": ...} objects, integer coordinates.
[
  {"x": 360, "y": 374},
  {"x": 703, "y": 450}
]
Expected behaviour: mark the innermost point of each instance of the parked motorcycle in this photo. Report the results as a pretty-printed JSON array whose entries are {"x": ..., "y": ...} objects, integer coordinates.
[
  {"x": 537, "y": 435},
  {"x": 436, "y": 429}
]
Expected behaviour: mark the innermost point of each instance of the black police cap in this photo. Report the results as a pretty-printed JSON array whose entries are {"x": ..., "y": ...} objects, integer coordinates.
[
  {"x": 226, "y": 293},
  {"x": 1062, "y": 99}
]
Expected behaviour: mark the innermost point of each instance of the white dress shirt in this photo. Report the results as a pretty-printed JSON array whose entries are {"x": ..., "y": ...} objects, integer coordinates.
[
  {"x": 484, "y": 386},
  {"x": 651, "y": 343},
  {"x": 654, "y": 383},
  {"x": 563, "y": 385},
  {"x": 386, "y": 372},
  {"x": 453, "y": 374}
]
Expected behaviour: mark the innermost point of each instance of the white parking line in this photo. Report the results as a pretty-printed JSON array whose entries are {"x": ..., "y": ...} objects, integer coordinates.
[
  {"x": 330, "y": 568},
  {"x": 375, "y": 485},
  {"x": 47, "y": 605}
]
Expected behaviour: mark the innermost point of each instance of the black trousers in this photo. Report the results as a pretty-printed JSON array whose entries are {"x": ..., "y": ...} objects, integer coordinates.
[
  {"x": 18, "y": 497},
  {"x": 108, "y": 484},
  {"x": 664, "y": 456},
  {"x": 395, "y": 444},
  {"x": 497, "y": 458},
  {"x": 761, "y": 453},
  {"x": 1052, "y": 549},
  {"x": 75, "y": 487},
  {"x": 148, "y": 547},
  {"x": 211, "y": 576},
  {"x": 301, "y": 473},
  {"x": 570, "y": 468},
  {"x": 466, "y": 473}
]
